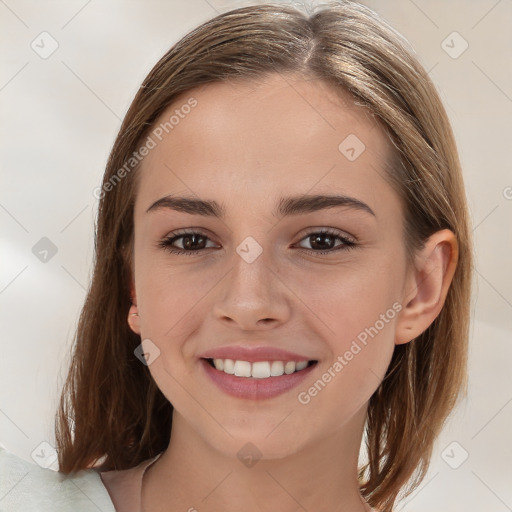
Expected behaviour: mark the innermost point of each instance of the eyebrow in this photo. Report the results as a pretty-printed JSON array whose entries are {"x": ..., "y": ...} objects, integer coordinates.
[{"x": 286, "y": 206}]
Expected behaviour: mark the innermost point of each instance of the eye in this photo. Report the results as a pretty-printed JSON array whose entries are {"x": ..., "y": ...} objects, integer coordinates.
[
  {"x": 323, "y": 241},
  {"x": 190, "y": 243}
]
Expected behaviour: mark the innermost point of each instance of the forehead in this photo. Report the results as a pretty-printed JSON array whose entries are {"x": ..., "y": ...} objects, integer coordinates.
[{"x": 258, "y": 139}]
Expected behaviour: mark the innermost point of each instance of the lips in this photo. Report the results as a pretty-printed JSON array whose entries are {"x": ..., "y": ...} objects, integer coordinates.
[{"x": 241, "y": 380}]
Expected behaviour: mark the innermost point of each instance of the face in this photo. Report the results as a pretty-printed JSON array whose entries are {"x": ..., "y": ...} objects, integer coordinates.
[{"x": 268, "y": 264}]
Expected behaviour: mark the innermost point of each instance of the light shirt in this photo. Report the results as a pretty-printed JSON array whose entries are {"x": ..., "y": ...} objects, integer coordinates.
[{"x": 26, "y": 487}]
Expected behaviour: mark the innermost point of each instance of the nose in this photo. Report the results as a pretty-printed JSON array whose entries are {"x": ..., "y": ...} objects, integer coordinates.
[{"x": 252, "y": 296}]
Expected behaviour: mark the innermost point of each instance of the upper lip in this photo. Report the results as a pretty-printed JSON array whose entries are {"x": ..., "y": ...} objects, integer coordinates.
[{"x": 253, "y": 354}]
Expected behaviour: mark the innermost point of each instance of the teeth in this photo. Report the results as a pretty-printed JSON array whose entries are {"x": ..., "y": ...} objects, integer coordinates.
[
  {"x": 277, "y": 368},
  {"x": 229, "y": 366},
  {"x": 242, "y": 369},
  {"x": 259, "y": 369},
  {"x": 301, "y": 365},
  {"x": 289, "y": 367}
]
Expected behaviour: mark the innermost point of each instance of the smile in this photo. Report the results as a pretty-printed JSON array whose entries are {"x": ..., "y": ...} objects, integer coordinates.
[
  {"x": 258, "y": 369},
  {"x": 256, "y": 380}
]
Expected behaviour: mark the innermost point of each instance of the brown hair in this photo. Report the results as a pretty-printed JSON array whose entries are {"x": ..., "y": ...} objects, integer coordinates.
[{"x": 111, "y": 408}]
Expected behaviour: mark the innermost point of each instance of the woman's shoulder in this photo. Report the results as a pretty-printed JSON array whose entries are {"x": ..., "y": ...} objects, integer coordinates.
[{"x": 26, "y": 487}]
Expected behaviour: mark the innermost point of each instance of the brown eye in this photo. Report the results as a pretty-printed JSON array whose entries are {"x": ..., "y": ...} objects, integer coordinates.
[
  {"x": 191, "y": 242},
  {"x": 325, "y": 241}
]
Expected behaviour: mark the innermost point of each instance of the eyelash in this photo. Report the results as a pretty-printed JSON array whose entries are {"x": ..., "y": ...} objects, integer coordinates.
[{"x": 166, "y": 243}]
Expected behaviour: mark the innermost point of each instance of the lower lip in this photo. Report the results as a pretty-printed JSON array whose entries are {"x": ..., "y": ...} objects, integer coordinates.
[{"x": 255, "y": 389}]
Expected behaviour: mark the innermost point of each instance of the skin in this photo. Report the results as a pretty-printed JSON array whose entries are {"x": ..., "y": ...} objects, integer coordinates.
[{"x": 245, "y": 145}]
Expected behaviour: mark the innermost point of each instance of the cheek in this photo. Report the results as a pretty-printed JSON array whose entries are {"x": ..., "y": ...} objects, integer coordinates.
[
  {"x": 346, "y": 299},
  {"x": 168, "y": 295},
  {"x": 355, "y": 313},
  {"x": 171, "y": 302}
]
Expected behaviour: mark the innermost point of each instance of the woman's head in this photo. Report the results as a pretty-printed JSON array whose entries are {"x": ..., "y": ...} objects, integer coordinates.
[{"x": 254, "y": 113}]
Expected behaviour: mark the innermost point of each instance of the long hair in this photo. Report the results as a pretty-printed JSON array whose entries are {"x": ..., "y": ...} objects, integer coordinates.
[{"x": 110, "y": 407}]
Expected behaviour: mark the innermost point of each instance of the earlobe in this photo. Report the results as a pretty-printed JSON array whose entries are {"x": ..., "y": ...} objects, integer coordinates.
[
  {"x": 133, "y": 319},
  {"x": 133, "y": 313},
  {"x": 427, "y": 285}
]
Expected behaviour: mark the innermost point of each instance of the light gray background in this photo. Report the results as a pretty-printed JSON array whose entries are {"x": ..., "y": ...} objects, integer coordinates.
[{"x": 59, "y": 119}]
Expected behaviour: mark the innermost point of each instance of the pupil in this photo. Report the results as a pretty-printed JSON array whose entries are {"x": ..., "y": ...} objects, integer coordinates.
[
  {"x": 187, "y": 243},
  {"x": 317, "y": 239}
]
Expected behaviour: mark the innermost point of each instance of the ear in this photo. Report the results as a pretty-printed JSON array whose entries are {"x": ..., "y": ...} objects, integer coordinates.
[
  {"x": 134, "y": 320},
  {"x": 133, "y": 313},
  {"x": 427, "y": 285}
]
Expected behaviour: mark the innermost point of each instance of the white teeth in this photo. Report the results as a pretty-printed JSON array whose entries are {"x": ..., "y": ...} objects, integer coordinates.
[
  {"x": 259, "y": 369},
  {"x": 242, "y": 369},
  {"x": 289, "y": 367},
  {"x": 229, "y": 366},
  {"x": 277, "y": 368}
]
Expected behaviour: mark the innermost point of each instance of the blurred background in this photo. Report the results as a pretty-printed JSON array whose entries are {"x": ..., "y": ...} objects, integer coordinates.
[{"x": 69, "y": 72}]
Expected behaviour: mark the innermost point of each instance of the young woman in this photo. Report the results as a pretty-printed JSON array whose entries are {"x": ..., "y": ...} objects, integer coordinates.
[{"x": 282, "y": 272}]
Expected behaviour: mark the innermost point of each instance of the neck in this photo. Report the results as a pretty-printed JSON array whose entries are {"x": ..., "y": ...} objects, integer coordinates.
[{"x": 193, "y": 475}]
